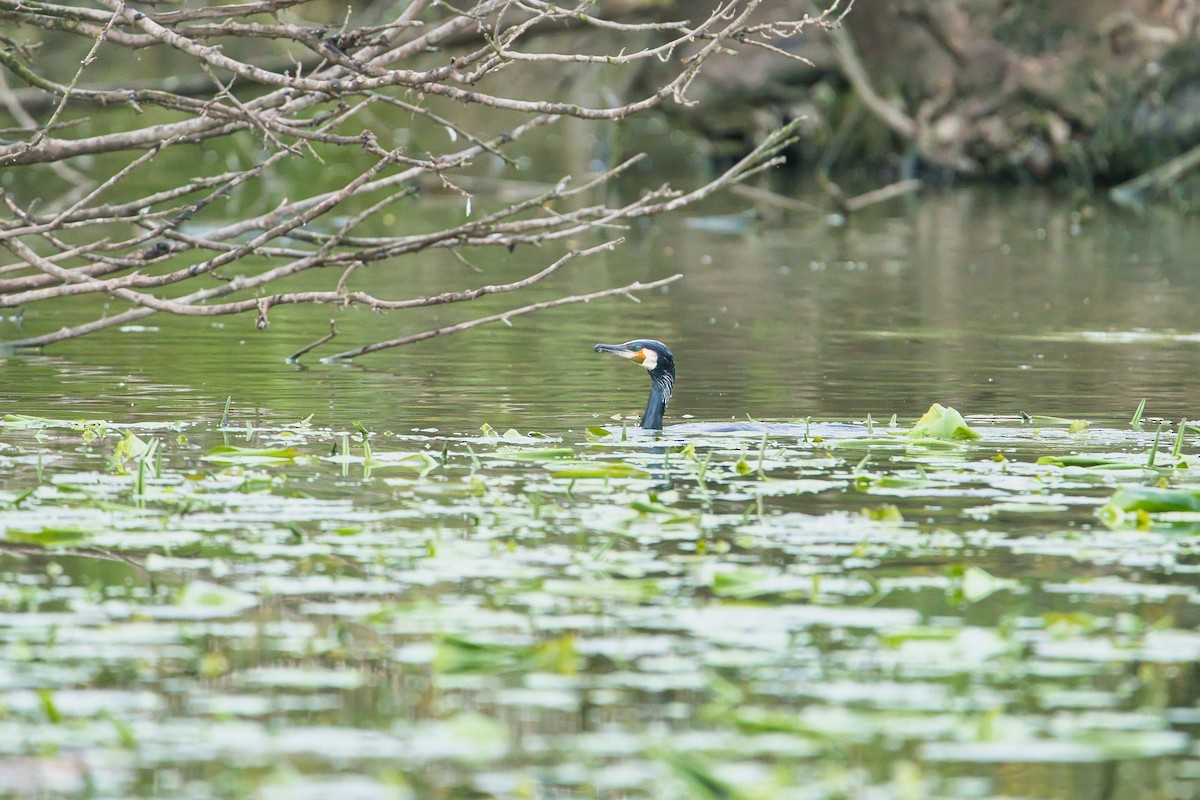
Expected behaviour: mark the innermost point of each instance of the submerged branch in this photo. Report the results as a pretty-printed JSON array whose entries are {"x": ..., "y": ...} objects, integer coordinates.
[{"x": 1133, "y": 193}]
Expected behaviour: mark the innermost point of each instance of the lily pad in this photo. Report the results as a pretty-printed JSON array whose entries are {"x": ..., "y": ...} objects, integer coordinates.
[{"x": 943, "y": 423}]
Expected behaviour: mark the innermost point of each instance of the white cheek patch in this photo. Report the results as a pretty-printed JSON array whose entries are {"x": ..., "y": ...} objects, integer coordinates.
[{"x": 650, "y": 358}]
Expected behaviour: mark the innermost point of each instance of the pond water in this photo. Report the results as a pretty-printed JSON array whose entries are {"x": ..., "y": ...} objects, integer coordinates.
[
  {"x": 488, "y": 596},
  {"x": 1004, "y": 302}
]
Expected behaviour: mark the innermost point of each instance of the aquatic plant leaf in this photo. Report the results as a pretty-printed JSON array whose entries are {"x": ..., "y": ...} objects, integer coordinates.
[
  {"x": 419, "y": 462},
  {"x": 630, "y": 589},
  {"x": 887, "y": 512},
  {"x": 595, "y": 469},
  {"x": 809, "y": 609},
  {"x": 97, "y": 426},
  {"x": 745, "y": 582},
  {"x": 230, "y": 454},
  {"x": 16, "y": 501},
  {"x": 944, "y": 423},
  {"x": 860, "y": 442},
  {"x": 130, "y": 447},
  {"x": 698, "y": 777},
  {"x": 1088, "y": 462},
  {"x": 456, "y": 655},
  {"x": 1154, "y": 500},
  {"x": 46, "y": 537},
  {"x": 978, "y": 583},
  {"x": 757, "y": 719},
  {"x": 30, "y": 421},
  {"x": 213, "y": 596},
  {"x": 919, "y": 634},
  {"x": 866, "y": 483},
  {"x": 672, "y": 514},
  {"x": 1137, "y": 415},
  {"x": 48, "y": 706},
  {"x": 1072, "y": 424},
  {"x": 535, "y": 454}
]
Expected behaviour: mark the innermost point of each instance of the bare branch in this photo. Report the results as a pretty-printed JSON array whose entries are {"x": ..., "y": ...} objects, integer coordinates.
[
  {"x": 504, "y": 316},
  {"x": 397, "y": 101}
]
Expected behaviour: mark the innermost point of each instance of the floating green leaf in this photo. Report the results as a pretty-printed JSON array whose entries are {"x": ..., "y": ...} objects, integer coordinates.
[
  {"x": 457, "y": 655},
  {"x": 977, "y": 583},
  {"x": 944, "y": 423},
  {"x": 46, "y": 537},
  {"x": 1154, "y": 500},
  {"x": 884, "y": 513},
  {"x": 867, "y": 483},
  {"x": 628, "y": 589},
  {"x": 1087, "y": 462},
  {"x": 213, "y": 596},
  {"x": 419, "y": 462},
  {"x": 535, "y": 454},
  {"x": 595, "y": 469},
  {"x": 671, "y": 514},
  {"x": 745, "y": 583},
  {"x": 230, "y": 454},
  {"x": 129, "y": 448},
  {"x": 758, "y": 720}
]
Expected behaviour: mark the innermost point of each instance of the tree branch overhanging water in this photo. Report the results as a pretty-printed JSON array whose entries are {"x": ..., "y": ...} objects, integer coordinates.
[{"x": 287, "y": 95}]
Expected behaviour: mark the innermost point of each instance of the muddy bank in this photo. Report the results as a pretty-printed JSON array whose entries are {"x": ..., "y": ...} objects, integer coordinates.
[{"x": 1096, "y": 94}]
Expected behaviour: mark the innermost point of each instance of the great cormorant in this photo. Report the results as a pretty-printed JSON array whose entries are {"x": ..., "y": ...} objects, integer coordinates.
[{"x": 658, "y": 360}]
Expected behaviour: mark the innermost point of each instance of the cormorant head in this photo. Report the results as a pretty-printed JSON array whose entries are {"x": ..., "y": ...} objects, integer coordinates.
[{"x": 655, "y": 356}]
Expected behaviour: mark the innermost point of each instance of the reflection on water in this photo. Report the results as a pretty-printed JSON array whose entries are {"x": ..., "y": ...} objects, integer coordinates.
[{"x": 992, "y": 301}]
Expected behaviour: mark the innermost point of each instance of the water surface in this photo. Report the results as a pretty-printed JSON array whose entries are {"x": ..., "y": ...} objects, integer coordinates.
[
  {"x": 443, "y": 611},
  {"x": 993, "y": 300}
]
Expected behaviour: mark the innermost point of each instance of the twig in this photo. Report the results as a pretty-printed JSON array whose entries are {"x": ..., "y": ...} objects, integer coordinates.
[
  {"x": 83, "y": 65},
  {"x": 294, "y": 358},
  {"x": 759, "y": 195},
  {"x": 504, "y": 316},
  {"x": 882, "y": 194}
]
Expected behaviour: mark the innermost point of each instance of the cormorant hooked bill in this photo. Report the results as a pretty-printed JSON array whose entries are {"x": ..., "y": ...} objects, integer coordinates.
[{"x": 658, "y": 360}]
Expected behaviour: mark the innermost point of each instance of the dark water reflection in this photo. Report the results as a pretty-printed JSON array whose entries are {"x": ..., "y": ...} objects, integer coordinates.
[{"x": 991, "y": 301}]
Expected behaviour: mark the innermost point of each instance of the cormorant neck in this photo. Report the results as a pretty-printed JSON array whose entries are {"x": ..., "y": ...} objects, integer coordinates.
[{"x": 661, "y": 386}]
